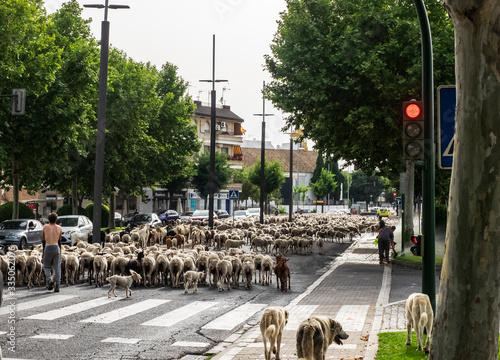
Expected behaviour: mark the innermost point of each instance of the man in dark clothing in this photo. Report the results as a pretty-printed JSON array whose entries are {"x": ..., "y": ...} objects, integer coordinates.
[{"x": 385, "y": 238}]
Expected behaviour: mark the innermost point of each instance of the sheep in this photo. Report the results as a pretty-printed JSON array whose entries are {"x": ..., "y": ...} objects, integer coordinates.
[
  {"x": 192, "y": 277},
  {"x": 72, "y": 268},
  {"x": 33, "y": 269},
  {"x": 267, "y": 267},
  {"x": 100, "y": 268},
  {"x": 236, "y": 263},
  {"x": 176, "y": 269},
  {"x": 75, "y": 236},
  {"x": 248, "y": 269},
  {"x": 118, "y": 266},
  {"x": 87, "y": 262},
  {"x": 234, "y": 244},
  {"x": 224, "y": 273},
  {"x": 162, "y": 268},
  {"x": 212, "y": 269},
  {"x": 148, "y": 268},
  {"x": 126, "y": 238}
]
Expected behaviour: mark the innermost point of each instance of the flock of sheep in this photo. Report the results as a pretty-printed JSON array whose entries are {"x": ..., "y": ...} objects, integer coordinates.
[{"x": 192, "y": 252}]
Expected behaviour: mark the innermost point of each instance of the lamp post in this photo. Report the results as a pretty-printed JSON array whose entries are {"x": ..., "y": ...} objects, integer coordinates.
[
  {"x": 263, "y": 153},
  {"x": 211, "y": 173},
  {"x": 101, "y": 116}
]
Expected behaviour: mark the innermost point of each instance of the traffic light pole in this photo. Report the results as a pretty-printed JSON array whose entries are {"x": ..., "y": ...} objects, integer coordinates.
[{"x": 428, "y": 219}]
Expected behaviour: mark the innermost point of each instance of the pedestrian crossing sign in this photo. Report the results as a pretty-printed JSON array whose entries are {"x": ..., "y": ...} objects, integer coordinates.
[{"x": 234, "y": 194}]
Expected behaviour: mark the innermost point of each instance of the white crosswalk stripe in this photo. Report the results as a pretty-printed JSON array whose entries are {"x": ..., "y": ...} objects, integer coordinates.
[
  {"x": 118, "y": 314},
  {"x": 34, "y": 303},
  {"x": 234, "y": 317},
  {"x": 352, "y": 317},
  {"x": 298, "y": 313},
  {"x": 73, "y": 309},
  {"x": 178, "y": 315}
]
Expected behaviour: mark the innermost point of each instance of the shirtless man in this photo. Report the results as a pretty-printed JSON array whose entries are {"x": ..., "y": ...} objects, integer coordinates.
[{"x": 51, "y": 242}]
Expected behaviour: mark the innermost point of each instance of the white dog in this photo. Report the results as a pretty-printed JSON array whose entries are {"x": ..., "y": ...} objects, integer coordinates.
[
  {"x": 272, "y": 323},
  {"x": 419, "y": 314},
  {"x": 125, "y": 282}
]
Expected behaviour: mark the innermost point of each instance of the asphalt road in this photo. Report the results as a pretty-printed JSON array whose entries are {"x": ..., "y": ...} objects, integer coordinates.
[{"x": 155, "y": 323}]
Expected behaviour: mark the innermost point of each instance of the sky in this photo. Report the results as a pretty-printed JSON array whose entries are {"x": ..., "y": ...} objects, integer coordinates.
[{"x": 181, "y": 32}]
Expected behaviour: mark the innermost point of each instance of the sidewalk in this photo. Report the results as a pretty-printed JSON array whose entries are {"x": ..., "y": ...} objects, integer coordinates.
[{"x": 354, "y": 291}]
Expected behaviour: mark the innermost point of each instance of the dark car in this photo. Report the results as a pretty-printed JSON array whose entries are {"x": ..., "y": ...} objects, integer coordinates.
[
  {"x": 144, "y": 218},
  {"x": 21, "y": 232},
  {"x": 222, "y": 214},
  {"x": 168, "y": 216}
]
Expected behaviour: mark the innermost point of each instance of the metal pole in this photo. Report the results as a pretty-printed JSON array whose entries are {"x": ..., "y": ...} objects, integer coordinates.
[
  {"x": 101, "y": 130},
  {"x": 211, "y": 173},
  {"x": 263, "y": 161},
  {"x": 428, "y": 220}
]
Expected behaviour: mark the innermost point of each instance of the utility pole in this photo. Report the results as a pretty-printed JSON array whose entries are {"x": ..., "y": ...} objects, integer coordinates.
[
  {"x": 211, "y": 174},
  {"x": 263, "y": 154}
]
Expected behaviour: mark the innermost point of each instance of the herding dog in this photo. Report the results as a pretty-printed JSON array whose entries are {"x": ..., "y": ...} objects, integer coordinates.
[
  {"x": 315, "y": 334},
  {"x": 272, "y": 323},
  {"x": 125, "y": 282},
  {"x": 419, "y": 314}
]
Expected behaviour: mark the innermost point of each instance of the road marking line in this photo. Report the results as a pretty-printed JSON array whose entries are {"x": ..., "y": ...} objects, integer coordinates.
[
  {"x": 190, "y": 344},
  {"x": 121, "y": 340},
  {"x": 73, "y": 309},
  {"x": 175, "y": 316},
  {"x": 233, "y": 318},
  {"x": 52, "y": 337},
  {"x": 34, "y": 303},
  {"x": 298, "y": 313},
  {"x": 352, "y": 317},
  {"x": 118, "y": 314}
]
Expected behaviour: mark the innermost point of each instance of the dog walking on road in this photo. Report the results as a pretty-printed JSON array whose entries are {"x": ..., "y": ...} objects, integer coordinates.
[{"x": 272, "y": 323}]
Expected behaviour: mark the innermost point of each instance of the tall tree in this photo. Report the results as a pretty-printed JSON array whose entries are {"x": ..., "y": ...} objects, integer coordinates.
[
  {"x": 469, "y": 293},
  {"x": 342, "y": 70},
  {"x": 325, "y": 185},
  {"x": 320, "y": 164},
  {"x": 222, "y": 173},
  {"x": 365, "y": 187},
  {"x": 273, "y": 174}
]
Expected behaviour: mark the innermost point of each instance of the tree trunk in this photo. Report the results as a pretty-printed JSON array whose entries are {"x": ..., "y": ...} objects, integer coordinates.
[
  {"x": 467, "y": 316},
  {"x": 15, "y": 188},
  {"x": 409, "y": 196},
  {"x": 112, "y": 209},
  {"x": 74, "y": 196}
]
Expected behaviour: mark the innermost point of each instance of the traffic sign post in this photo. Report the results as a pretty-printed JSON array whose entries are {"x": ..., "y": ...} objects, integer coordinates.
[
  {"x": 234, "y": 195},
  {"x": 446, "y": 102}
]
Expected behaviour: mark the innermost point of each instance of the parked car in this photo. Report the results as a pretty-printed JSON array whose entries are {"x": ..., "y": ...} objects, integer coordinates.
[
  {"x": 303, "y": 211},
  {"x": 127, "y": 218},
  {"x": 118, "y": 219},
  {"x": 144, "y": 218},
  {"x": 241, "y": 214},
  {"x": 222, "y": 214},
  {"x": 201, "y": 215},
  {"x": 254, "y": 211},
  {"x": 21, "y": 232},
  {"x": 168, "y": 215},
  {"x": 383, "y": 212},
  {"x": 185, "y": 216},
  {"x": 70, "y": 223}
]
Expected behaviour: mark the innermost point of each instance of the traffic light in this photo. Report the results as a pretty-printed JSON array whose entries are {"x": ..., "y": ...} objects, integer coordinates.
[
  {"x": 394, "y": 194},
  {"x": 18, "y": 101},
  {"x": 413, "y": 130},
  {"x": 417, "y": 248}
]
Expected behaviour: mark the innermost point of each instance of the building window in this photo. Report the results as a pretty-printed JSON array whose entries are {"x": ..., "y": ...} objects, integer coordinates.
[{"x": 224, "y": 150}]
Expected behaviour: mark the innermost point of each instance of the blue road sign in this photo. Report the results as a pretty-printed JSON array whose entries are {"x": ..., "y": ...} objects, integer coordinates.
[
  {"x": 234, "y": 194},
  {"x": 398, "y": 201},
  {"x": 447, "y": 102}
]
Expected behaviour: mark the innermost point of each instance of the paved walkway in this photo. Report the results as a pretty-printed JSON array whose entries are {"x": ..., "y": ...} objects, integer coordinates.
[{"x": 354, "y": 290}]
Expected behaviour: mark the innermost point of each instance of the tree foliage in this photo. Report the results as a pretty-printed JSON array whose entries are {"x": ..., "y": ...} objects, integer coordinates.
[
  {"x": 272, "y": 173},
  {"x": 223, "y": 173},
  {"x": 365, "y": 187},
  {"x": 325, "y": 185},
  {"x": 320, "y": 164},
  {"x": 341, "y": 70}
]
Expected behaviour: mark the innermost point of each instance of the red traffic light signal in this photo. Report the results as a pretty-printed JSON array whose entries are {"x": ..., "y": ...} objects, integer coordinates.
[
  {"x": 413, "y": 130},
  {"x": 394, "y": 194}
]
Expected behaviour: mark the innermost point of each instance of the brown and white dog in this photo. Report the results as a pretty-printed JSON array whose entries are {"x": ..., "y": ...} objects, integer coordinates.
[
  {"x": 124, "y": 282},
  {"x": 272, "y": 323},
  {"x": 315, "y": 334},
  {"x": 419, "y": 314}
]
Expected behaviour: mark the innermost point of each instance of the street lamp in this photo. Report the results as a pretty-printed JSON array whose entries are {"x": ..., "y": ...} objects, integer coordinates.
[
  {"x": 263, "y": 153},
  {"x": 101, "y": 116},
  {"x": 211, "y": 173}
]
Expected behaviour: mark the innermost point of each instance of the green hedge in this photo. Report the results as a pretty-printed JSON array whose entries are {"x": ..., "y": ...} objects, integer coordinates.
[
  {"x": 68, "y": 210},
  {"x": 441, "y": 214},
  {"x": 24, "y": 212},
  {"x": 104, "y": 213}
]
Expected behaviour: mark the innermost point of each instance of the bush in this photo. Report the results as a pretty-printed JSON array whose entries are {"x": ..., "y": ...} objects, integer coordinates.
[
  {"x": 68, "y": 210},
  {"x": 24, "y": 212},
  {"x": 441, "y": 214},
  {"x": 104, "y": 214}
]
